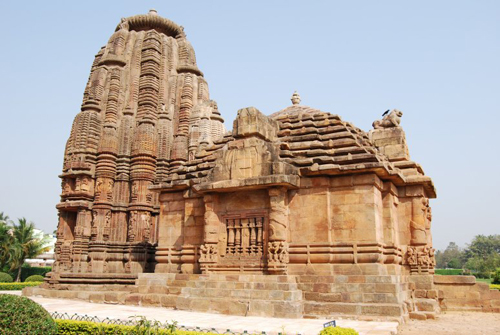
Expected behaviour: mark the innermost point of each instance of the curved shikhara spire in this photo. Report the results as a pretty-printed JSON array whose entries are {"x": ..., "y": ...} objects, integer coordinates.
[{"x": 145, "y": 110}]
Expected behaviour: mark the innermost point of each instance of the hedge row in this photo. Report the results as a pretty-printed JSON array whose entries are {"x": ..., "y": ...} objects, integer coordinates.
[
  {"x": 495, "y": 286},
  {"x": 338, "y": 331},
  {"x": 71, "y": 327},
  {"x": 20, "y": 316},
  {"x": 448, "y": 272},
  {"x": 30, "y": 271},
  {"x": 17, "y": 286}
]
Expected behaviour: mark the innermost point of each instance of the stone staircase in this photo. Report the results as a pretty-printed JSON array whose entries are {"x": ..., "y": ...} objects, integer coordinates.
[
  {"x": 247, "y": 295},
  {"x": 366, "y": 297}
]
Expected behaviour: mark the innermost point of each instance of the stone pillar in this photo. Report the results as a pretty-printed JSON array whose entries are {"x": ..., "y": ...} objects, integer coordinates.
[
  {"x": 209, "y": 250},
  {"x": 420, "y": 255},
  {"x": 277, "y": 249}
]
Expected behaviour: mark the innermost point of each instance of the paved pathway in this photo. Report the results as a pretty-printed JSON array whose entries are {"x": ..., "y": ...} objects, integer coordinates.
[{"x": 252, "y": 324}]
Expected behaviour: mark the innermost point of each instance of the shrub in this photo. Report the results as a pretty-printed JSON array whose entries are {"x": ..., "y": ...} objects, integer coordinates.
[
  {"x": 85, "y": 327},
  {"x": 448, "y": 272},
  {"x": 27, "y": 271},
  {"x": 338, "y": 331},
  {"x": 17, "y": 286},
  {"x": 5, "y": 278},
  {"x": 482, "y": 275},
  {"x": 20, "y": 315},
  {"x": 496, "y": 277},
  {"x": 34, "y": 278},
  {"x": 495, "y": 286}
]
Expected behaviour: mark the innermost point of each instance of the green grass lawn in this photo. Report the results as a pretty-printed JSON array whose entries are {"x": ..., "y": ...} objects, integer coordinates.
[{"x": 488, "y": 281}]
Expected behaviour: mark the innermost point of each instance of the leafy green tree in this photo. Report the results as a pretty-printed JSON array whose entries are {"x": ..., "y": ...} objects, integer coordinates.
[
  {"x": 26, "y": 245},
  {"x": 451, "y": 257},
  {"x": 483, "y": 246},
  {"x": 483, "y": 254}
]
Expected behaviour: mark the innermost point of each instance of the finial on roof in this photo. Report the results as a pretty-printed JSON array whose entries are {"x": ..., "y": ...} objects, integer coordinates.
[
  {"x": 295, "y": 98},
  {"x": 153, "y": 11}
]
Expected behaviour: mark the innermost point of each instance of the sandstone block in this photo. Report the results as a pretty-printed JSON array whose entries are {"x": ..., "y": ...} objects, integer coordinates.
[
  {"x": 168, "y": 300},
  {"x": 418, "y": 316},
  {"x": 151, "y": 300},
  {"x": 420, "y": 293},
  {"x": 427, "y": 305},
  {"x": 260, "y": 308},
  {"x": 133, "y": 299},
  {"x": 454, "y": 280},
  {"x": 432, "y": 294},
  {"x": 382, "y": 309}
]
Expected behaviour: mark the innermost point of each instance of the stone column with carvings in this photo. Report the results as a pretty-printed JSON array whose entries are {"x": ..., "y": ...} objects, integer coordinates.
[
  {"x": 420, "y": 255},
  {"x": 277, "y": 249},
  {"x": 209, "y": 250}
]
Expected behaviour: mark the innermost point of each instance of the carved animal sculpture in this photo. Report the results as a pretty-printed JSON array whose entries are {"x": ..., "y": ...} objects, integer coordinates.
[{"x": 393, "y": 119}]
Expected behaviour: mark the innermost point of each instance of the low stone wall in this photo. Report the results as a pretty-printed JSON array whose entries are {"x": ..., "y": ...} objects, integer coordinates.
[{"x": 463, "y": 293}]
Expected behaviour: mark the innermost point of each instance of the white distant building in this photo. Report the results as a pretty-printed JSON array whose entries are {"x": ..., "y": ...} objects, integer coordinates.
[{"x": 47, "y": 258}]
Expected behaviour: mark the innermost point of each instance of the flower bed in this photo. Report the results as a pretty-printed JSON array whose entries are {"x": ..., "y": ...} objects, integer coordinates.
[{"x": 17, "y": 286}]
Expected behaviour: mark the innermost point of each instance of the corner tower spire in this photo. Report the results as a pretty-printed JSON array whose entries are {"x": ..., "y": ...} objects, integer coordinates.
[{"x": 134, "y": 122}]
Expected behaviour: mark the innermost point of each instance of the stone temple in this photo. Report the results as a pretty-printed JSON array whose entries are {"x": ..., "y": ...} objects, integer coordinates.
[{"x": 295, "y": 214}]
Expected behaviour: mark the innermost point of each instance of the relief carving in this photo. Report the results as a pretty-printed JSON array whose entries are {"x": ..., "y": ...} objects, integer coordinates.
[
  {"x": 277, "y": 252},
  {"x": 208, "y": 253},
  {"x": 278, "y": 216},
  {"x": 132, "y": 227},
  {"x": 421, "y": 221},
  {"x": 420, "y": 259},
  {"x": 107, "y": 225}
]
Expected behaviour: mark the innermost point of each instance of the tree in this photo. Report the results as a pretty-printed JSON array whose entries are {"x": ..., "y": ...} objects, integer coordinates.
[
  {"x": 483, "y": 254},
  {"x": 483, "y": 246},
  {"x": 451, "y": 257},
  {"x": 4, "y": 219},
  {"x": 6, "y": 241},
  {"x": 26, "y": 245}
]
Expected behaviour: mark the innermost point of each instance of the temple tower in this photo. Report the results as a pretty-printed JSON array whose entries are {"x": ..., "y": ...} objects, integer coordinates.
[{"x": 146, "y": 108}]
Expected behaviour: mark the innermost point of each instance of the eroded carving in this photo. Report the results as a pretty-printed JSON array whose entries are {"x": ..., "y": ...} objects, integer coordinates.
[
  {"x": 277, "y": 252},
  {"x": 391, "y": 120},
  {"x": 208, "y": 253}
]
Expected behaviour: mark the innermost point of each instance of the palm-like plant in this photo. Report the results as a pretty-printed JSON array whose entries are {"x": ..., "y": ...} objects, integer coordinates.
[
  {"x": 6, "y": 242},
  {"x": 4, "y": 218},
  {"x": 26, "y": 245}
]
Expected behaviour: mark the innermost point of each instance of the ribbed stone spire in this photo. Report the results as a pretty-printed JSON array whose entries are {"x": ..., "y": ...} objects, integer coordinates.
[{"x": 135, "y": 123}]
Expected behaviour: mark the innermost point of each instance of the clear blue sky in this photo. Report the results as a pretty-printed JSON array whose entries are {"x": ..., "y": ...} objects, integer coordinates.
[{"x": 437, "y": 61}]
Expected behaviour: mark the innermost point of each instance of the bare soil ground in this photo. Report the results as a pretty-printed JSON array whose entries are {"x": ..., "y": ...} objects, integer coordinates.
[{"x": 456, "y": 323}]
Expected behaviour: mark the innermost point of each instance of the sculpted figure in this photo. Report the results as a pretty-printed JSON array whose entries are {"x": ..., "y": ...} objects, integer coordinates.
[
  {"x": 208, "y": 252},
  {"x": 432, "y": 258},
  {"x": 66, "y": 186},
  {"x": 278, "y": 252},
  {"x": 84, "y": 186},
  {"x": 134, "y": 191},
  {"x": 98, "y": 188},
  {"x": 110, "y": 190},
  {"x": 391, "y": 120},
  {"x": 411, "y": 256}
]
